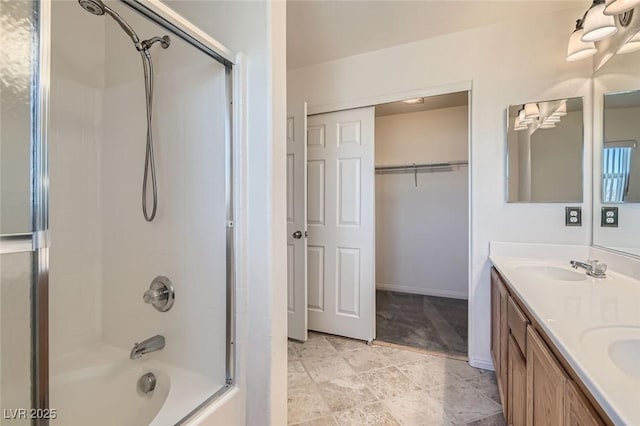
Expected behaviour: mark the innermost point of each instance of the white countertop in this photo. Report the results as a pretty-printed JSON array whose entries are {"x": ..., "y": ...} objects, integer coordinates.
[{"x": 595, "y": 324}]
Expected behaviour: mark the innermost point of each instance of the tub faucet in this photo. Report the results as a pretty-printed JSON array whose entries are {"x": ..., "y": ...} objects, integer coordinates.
[
  {"x": 593, "y": 267},
  {"x": 152, "y": 344}
]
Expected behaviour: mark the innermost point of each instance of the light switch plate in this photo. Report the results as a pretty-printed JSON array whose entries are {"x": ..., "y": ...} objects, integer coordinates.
[{"x": 609, "y": 218}]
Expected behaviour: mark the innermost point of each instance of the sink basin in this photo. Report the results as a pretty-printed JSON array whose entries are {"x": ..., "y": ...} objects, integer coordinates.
[
  {"x": 553, "y": 272},
  {"x": 621, "y": 343},
  {"x": 626, "y": 355}
]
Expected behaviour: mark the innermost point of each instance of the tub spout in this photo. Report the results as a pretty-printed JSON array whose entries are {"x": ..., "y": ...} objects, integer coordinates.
[{"x": 152, "y": 344}]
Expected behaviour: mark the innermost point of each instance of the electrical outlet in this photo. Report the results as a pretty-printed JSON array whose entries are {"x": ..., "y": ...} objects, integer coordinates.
[
  {"x": 609, "y": 218},
  {"x": 573, "y": 216}
]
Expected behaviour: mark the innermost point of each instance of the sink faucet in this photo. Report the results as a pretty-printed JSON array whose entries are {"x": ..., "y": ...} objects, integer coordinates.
[
  {"x": 593, "y": 267},
  {"x": 152, "y": 344}
]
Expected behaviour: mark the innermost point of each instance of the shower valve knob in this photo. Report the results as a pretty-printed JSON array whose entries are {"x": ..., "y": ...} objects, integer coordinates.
[{"x": 160, "y": 294}]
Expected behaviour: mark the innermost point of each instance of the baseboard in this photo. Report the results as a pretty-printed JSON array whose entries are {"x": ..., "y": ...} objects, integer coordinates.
[
  {"x": 485, "y": 364},
  {"x": 423, "y": 291}
]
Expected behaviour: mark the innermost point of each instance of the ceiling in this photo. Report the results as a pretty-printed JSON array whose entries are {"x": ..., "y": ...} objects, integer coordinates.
[
  {"x": 430, "y": 103},
  {"x": 325, "y": 30}
]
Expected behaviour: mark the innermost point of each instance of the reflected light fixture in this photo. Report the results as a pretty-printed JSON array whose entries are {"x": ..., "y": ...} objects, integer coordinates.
[
  {"x": 531, "y": 111},
  {"x": 616, "y": 7},
  {"x": 518, "y": 125},
  {"x": 597, "y": 25},
  {"x": 414, "y": 101},
  {"x": 579, "y": 49},
  {"x": 552, "y": 119},
  {"x": 561, "y": 111},
  {"x": 523, "y": 119},
  {"x": 632, "y": 45},
  {"x": 547, "y": 125}
]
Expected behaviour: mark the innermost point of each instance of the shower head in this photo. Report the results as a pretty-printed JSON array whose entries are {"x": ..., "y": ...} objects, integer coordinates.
[{"x": 97, "y": 7}]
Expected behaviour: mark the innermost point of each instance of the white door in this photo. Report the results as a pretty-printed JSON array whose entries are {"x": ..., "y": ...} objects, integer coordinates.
[
  {"x": 340, "y": 219},
  {"x": 297, "y": 222}
]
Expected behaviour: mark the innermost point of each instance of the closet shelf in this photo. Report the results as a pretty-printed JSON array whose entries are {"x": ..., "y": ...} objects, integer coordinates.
[{"x": 418, "y": 167}]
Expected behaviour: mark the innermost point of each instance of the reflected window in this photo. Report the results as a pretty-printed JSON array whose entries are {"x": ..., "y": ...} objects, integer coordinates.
[{"x": 615, "y": 173}]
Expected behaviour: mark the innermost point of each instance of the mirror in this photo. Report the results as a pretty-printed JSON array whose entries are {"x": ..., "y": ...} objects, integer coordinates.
[
  {"x": 545, "y": 152},
  {"x": 616, "y": 154},
  {"x": 620, "y": 153}
]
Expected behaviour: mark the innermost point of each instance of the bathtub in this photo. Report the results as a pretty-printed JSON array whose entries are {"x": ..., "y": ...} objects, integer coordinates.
[{"x": 98, "y": 387}]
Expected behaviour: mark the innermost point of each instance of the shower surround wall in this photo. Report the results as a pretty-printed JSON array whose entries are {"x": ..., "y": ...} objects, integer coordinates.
[
  {"x": 103, "y": 253},
  {"x": 75, "y": 206}
]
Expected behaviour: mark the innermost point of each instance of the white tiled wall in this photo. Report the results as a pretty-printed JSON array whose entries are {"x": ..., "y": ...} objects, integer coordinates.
[
  {"x": 75, "y": 145},
  {"x": 103, "y": 253}
]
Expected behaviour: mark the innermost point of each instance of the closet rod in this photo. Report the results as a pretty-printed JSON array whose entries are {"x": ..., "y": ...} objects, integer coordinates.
[{"x": 412, "y": 167}]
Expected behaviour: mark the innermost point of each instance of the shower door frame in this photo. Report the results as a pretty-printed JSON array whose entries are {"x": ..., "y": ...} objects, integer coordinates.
[{"x": 38, "y": 240}]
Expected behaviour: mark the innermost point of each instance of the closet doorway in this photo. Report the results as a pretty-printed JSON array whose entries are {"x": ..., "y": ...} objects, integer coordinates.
[{"x": 422, "y": 223}]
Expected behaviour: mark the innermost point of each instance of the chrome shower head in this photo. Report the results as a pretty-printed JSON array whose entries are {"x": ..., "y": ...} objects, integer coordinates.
[{"x": 95, "y": 7}]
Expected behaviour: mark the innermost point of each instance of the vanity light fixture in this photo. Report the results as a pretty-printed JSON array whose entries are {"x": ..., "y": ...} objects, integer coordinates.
[
  {"x": 616, "y": 7},
  {"x": 597, "y": 25},
  {"x": 414, "y": 101},
  {"x": 632, "y": 45},
  {"x": 531, "y": 111},
  {"x": 579, "y": 49}
]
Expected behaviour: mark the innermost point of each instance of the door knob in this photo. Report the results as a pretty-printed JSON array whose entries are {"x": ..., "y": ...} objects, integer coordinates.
[{"x": 297, "y": 235}]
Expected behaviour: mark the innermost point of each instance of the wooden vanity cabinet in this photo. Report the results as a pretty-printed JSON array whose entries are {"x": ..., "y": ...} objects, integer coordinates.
[
  {"x": 534, "y": 383},
  {"x": 499, "y": 335},
  {"x": 546, "y": 383}
]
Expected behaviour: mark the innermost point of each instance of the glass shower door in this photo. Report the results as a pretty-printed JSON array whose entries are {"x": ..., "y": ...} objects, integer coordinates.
[{"x": 22, "y": 222}]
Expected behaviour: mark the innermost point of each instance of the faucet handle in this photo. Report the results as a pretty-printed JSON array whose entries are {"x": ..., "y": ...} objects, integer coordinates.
[
  {"x": 598, "y": 267},
  {"x": 160, "y": 294}
]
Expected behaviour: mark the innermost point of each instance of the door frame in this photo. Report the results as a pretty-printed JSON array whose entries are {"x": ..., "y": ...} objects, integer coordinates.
[{"x": 461, "y": 86}]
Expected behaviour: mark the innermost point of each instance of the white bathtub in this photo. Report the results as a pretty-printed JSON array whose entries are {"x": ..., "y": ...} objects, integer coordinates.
[{"x": 98, "y": 386}]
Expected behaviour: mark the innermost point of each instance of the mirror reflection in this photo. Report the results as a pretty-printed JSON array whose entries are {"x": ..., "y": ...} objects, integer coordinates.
[
  {"x": 545, "y": 151},
  {"x": 620, "y": 157}
]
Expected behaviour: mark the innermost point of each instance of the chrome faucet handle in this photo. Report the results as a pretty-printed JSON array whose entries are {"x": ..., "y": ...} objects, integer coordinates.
[
  {"x": 160, "y": 294},
  {"x": 598, "y": 268}
]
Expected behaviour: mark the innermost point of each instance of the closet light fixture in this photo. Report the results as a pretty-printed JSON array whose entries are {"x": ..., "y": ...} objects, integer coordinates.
[
  {"x": 597, "y": 25},
  {"x": 414, "y": 101},
  {"x": 632, "y": 45},
  {"x": 531, "y": 111},
  {"x": 579, "y": 49},
  {"x": 616, "y": 7}
]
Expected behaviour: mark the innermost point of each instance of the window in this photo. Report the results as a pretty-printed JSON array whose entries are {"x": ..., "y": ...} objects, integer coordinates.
[{"x": 615, "y": 173}]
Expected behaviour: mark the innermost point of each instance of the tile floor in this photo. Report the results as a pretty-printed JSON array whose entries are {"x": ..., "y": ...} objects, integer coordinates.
[
  {"x": 437, "y": 324},
  {"x": 338, "y": 381}
]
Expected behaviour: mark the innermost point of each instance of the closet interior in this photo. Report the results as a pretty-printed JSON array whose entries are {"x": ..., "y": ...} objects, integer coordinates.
[{"x": 422, "y": 223}]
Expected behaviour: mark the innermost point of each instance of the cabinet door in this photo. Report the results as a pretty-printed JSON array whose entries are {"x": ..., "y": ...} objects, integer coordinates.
[
  {"x": 517, "y": 385},
  {"x": 546, "y": 382},
  {"x": 495, "y": 322},
  {"x": 577, "y": 410}
]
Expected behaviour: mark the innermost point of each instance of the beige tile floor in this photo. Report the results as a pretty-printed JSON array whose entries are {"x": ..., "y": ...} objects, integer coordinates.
[{"x": 338, "y": 381}]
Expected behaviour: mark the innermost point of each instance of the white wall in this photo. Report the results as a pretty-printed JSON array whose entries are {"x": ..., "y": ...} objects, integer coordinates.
[
  {"x": 557, "y": 160},
  {"x": 258, "y": 30},
  {"x": 618, "y": 75},
  {"x": 502, "y": 72},
  {"x": 75, "y": 146},
  {"x": 422, "y": 232}
]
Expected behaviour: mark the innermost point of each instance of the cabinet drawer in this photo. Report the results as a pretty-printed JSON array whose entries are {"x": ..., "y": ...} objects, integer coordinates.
[{"x": 517, "y": 323}]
